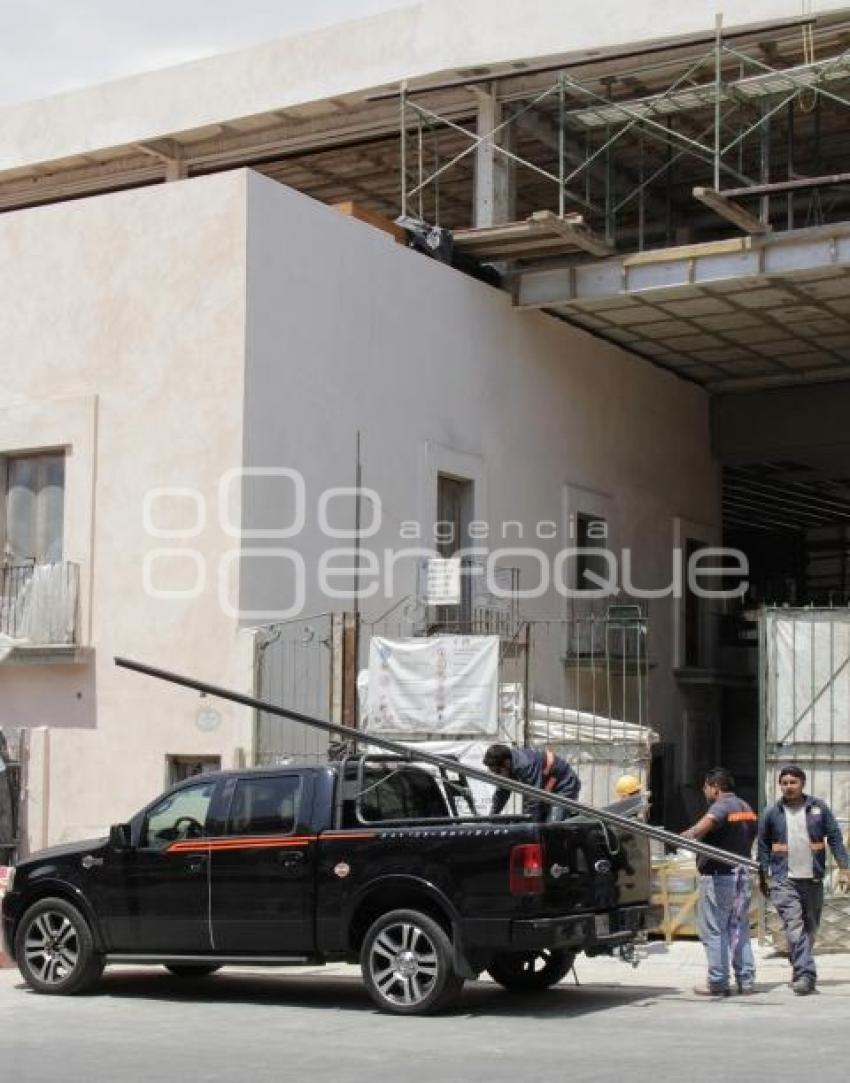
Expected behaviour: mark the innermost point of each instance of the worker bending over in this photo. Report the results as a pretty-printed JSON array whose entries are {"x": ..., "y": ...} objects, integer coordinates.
[{"x": 536, "y": 767}]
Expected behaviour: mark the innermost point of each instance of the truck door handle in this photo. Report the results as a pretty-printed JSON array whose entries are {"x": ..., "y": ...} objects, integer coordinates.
[
  {"x": 196, "y": 863},
  {"x": 289, "y": 857}
]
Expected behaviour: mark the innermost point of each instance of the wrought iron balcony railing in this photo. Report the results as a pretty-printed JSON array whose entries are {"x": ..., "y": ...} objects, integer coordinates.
[{"x": 39, "y": 604}]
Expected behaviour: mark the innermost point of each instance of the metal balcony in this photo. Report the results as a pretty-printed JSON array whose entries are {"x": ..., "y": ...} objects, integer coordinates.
[{"x": 39, "y": 605}]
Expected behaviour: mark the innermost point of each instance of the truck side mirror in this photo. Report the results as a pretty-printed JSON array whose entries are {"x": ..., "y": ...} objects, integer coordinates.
[{"x": 119, "y": 837}]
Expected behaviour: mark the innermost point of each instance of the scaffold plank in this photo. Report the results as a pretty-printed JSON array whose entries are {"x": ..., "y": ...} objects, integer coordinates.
[
  {"x": 730, "y": 210},
  {"x": 542, "y": 234}
]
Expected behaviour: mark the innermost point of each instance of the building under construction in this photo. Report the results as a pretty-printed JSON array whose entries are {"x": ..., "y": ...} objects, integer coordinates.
[{"x": 619, "y": 310}]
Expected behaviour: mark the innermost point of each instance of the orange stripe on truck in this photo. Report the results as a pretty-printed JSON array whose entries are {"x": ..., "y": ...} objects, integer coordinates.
[{"x": 261, "y": 842}]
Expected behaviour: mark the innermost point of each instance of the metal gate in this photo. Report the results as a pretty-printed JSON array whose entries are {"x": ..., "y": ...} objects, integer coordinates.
[
  {"x": 297, "y": 666},
  {"x": 805, "y": 719},
  {"x": 577, "y": 684},
  {"x": 10, "y": 795}
]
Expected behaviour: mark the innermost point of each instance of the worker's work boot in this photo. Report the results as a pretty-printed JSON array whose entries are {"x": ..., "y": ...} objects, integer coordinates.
[
  {"x": 746, "y": 988},
  {"x": 710, "y": 991},
  {"x": 803, "y": 986}
]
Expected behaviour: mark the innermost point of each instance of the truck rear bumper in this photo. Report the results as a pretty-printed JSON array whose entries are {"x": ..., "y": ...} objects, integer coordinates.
[{"x": 589, "y": 932}]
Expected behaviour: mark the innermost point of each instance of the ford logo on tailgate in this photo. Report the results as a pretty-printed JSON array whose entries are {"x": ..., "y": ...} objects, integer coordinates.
[{"x": 603, "y": 865}]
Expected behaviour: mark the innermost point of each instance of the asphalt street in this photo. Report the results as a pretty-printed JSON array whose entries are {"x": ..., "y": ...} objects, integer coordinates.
[{"x": 317, "y": 1024}]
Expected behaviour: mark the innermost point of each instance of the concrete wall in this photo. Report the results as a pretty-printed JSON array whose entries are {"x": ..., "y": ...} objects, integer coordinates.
[
  {"x": 122, "y": 339},
  {"x": 409, "y": 43},
  {"x": 347, "y": 330}
]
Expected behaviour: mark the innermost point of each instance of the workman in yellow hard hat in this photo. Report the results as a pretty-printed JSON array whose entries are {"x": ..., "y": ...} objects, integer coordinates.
[{"x": 627, "y": 786}]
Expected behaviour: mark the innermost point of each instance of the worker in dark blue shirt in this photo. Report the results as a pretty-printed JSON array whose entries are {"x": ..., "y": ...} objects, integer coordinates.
[
  {"x": 723, "y": 912},
  {"x": 534, "y": 767}
]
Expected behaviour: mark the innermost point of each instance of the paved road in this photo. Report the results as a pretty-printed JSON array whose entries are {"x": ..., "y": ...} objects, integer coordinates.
[{"x": 315, "y": 1025}]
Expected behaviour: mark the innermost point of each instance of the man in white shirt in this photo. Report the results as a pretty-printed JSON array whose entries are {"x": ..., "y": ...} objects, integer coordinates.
[{"x": 792, "y": 841}]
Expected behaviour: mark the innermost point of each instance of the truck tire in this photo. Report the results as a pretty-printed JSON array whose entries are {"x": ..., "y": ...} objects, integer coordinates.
[
  {"x": 55, "y": 950},
  {"x": 192, "y": 970},
  {"x": 408, "y": 964},
  {"x": 531, "y": 971}
]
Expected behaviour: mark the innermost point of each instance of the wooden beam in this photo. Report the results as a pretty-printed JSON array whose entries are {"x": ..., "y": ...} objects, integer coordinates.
[
  {"x": 776, "y": 187},
  {"x": 733, "y": 212},
  {"x": 573, "y": 229},
  {"x": 171, "y": 153}
]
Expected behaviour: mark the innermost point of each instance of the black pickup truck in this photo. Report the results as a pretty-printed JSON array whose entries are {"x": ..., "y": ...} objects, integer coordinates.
[{"x": 370, "y": 859}]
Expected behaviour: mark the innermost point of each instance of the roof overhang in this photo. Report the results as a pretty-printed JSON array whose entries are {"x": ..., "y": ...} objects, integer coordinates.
[
  {"x": 323, "y": 74},
  {"x": 732, "y": 315}
]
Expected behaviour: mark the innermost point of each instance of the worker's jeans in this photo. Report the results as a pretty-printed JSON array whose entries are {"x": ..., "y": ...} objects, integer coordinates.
[
  {"x": 799, "y": 904},
  {"x": 723, "y": 924}
]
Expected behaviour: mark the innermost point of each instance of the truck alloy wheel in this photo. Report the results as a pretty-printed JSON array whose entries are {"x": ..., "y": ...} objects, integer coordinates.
[
  {"x": 55, "y": 950},
  {"x": 531, "y": 971},
  {"x": 407, "y": 963}
]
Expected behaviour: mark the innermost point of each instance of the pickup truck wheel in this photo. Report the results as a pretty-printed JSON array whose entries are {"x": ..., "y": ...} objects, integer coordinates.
[
  {"x": 54, "y": 949},
  {"x": 192, "y": 970},
  {"x": 531, "y": 971},
  {"x": 407, "y": 964}
]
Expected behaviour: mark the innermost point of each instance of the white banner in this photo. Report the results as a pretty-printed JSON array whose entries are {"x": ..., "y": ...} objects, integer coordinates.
[{"x": 442, "y": 684}]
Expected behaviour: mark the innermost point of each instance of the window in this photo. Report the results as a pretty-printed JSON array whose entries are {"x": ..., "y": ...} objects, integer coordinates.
[
  {"x": 591, "y": 533},
  {"x": 454, "y": 513},
  {"x": 179, "y": 768},
  {"x": 407, "y": 794},
  {"x": 455, "y": 506},
  {"x": 33, "y": 508},
  {"x": 265, "y": 806},
  {"x": 181, "y": 815},
  {"x": 695, "y": 614}
]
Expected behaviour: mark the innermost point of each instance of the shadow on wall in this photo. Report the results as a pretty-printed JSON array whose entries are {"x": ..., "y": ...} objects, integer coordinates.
[{"x": 59, "y": 696}]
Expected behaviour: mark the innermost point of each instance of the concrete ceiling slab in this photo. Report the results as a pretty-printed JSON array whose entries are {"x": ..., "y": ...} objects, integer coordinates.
[{"x": 774, "y": 310}]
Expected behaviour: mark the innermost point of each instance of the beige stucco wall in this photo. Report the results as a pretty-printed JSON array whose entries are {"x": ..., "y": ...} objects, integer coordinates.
[
  {"x": 168, "y": 335},
  {"x": 439, "y": 372},
  {"x": 123, "y": 340},
  {"x": 409, "y": 43}
]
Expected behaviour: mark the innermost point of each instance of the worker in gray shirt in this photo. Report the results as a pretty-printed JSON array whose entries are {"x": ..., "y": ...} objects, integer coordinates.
[{"x": 792, "y": 841}]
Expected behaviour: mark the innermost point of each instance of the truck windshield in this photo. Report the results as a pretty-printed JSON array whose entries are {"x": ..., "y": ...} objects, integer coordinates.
[{"x": 393, "y": 793}]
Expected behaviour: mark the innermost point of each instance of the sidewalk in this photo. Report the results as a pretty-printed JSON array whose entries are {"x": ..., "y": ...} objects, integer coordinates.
[{"x": 682, "y": 964}]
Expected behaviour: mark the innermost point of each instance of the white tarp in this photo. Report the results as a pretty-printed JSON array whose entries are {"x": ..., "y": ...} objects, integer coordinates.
[
  {"x": 567, "y": 724},
  {"x": 439, "y": 684},
  {"x": 467, "y": 752}
]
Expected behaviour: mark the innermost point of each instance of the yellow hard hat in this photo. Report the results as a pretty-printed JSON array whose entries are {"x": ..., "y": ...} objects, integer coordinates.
[{"x": 627, "y": 786}]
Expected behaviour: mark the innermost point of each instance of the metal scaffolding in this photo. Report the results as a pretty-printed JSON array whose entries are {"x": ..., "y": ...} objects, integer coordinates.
[{"x": 762, "y": 118}]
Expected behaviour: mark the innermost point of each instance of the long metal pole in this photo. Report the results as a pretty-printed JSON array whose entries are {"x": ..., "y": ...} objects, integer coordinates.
[
  {"x": 603, "y": 815},
  {"x": 561, "y": 198},
  {"x": 718, "y": 90},
  {"x": 358, "y": 484},
  {"x": 403, "y": 147}
]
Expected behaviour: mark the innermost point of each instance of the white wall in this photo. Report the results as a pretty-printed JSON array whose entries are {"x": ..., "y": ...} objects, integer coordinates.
[
  {"x": 133, "y": 305},
  {"x": 348, "y": 330}
]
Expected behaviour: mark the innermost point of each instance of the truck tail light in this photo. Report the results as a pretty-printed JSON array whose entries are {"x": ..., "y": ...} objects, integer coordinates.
[{"x": 527, "y": 869}]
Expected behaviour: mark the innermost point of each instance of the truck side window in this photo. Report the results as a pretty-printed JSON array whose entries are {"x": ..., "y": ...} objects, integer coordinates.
[
  {"x": 181, "y": 815},
  {"x": 265, "y": 806},
  {"x": 408, "y": 794}
]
